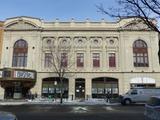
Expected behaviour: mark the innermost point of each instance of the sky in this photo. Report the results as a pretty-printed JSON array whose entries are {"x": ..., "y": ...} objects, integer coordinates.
[{"x": 49, "y": 10}]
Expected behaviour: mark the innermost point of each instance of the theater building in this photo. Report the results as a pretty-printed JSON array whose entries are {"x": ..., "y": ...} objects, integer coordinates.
[
  {"x": 108, "y": 57},
  {"x": 1, "y": 37},
  {"x": 1, "y": 40}
]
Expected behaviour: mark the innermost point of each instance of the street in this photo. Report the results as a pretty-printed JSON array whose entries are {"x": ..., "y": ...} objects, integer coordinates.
[{"x": 76, "y": 112}]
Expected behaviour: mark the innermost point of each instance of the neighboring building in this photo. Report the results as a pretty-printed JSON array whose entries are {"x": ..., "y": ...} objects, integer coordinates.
[
  {"x": 1, "y": 42},
  {"x": 1, "y": 38},
  {"x": 109, "y": 57}
]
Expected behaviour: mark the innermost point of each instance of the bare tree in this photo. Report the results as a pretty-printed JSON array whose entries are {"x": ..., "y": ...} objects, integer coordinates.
[
  {"x": 61, "y": 61},
  {"x": 146, "y": 10}
]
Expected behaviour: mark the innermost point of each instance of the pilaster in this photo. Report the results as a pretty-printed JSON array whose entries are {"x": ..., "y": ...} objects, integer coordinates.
[
  {"x": 88, "y": 88},
  {"x": 38, "y": 86},
  {"x": 1, "y": 93},
  {"x": 71, "y": 89}
]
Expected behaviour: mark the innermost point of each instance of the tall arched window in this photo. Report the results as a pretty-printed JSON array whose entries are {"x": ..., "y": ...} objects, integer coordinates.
[
  {"x": 20, "y": 51},
  {"x": 140, "y": 54}
]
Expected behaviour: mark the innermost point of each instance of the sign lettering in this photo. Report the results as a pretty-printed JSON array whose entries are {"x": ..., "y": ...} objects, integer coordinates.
[{"x": 24, "y": 74}]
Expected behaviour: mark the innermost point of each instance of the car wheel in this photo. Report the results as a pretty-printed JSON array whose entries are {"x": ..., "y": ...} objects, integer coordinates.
[{"x": 127, "y": 101}]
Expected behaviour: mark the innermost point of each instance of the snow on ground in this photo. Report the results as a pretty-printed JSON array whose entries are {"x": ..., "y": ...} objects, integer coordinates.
[{"x": 57, "y": 101}]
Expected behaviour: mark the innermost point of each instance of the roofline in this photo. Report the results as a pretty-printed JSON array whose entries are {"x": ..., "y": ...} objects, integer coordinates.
[
  {"x": 127, "y": 17},
  {"x": 24, "y": 17},
  {"x": 74, "y": 20}
]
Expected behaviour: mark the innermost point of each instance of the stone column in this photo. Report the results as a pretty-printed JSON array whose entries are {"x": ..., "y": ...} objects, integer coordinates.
[
  {"x": 88, "y": 59},
  {"x": 124, "y": 83},
  {"x": 71, "y": 89},
  {"x": 120, "y": 86},
  {"x": 1, "y": 93},
  {"x": 38, "y": 86},
  {"x": 88, "y": 88}
]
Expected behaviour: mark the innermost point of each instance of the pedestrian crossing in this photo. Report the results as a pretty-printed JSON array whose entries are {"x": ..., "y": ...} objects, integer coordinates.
[{"x": 109, "y": 108}]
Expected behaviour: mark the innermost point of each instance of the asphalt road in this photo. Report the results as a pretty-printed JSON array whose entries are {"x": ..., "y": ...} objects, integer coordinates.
[{"x": 76, "y": 112}]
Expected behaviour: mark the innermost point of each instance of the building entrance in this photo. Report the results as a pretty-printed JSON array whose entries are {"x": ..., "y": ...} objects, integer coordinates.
[
  {"x": 17, "y": 82},
  {"x": 17, "y": 90},
  {"x": 80, "y": 88},
  {"x": 52, "y": 87},
  {"x": 104, "y": 86}
]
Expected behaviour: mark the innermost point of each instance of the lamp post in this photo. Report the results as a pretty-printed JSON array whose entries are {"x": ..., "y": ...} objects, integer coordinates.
[{"x": 55, "y": 84}]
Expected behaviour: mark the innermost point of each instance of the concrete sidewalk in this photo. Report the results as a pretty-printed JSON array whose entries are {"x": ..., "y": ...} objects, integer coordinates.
[{"x": 57, "y": 102}]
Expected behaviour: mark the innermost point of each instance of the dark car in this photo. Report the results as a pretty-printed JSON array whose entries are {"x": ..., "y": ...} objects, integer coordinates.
[
  {"x": 7, "y": 116},
  {"x": 152, "y": 108}
]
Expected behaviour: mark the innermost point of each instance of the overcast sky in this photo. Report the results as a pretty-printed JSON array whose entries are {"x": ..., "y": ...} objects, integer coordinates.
[{"x": 49, "y": 10}]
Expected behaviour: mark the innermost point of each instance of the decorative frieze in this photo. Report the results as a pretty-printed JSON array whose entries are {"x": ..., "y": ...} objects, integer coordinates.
[
  {"x": 112, "y": 42},
  {"x": 48, "y": 43},
  {"x": 96, "y": 42},
  {"x": 80, "y": 42}
]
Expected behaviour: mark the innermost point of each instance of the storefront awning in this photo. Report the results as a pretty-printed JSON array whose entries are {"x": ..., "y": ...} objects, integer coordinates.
[{"x": 142, "y": 80}]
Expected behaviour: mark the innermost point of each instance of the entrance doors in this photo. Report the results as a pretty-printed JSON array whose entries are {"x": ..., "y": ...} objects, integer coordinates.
[
  {"x": 16, "y": 89},
  {"x": 13, "y": 90},
  {"x": 80, "y": 88},
  {"x": 52, "y": 87},
  {"x": 101, "y": 87},
  {"x": 9, "y": 91}
]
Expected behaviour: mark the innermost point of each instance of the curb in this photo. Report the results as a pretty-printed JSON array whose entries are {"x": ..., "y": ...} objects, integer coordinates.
[{"x": 55, "y": 103}]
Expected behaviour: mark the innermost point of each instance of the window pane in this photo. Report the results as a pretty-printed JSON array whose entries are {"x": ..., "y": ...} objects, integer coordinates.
[
  {"x": 20, "y": 51},
  {"x": 96, "y": 60},
  {"x": 112, "y": 60},
  {"x": 48, "y": 60},
  {"x": 64, "y": 60},
  {"x": 80, "y": 59},
  {"x": 140, "y": 54}
]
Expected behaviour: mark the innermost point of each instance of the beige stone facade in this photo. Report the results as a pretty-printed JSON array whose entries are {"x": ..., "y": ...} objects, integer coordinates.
[
  {"x": 1, "y": 41},
  {"x": 103, "y": 38},
  {"x": 1, "y": 37}
]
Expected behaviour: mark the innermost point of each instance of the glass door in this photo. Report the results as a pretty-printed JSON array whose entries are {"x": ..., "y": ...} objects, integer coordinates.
[{"x": 80, "y": 88}]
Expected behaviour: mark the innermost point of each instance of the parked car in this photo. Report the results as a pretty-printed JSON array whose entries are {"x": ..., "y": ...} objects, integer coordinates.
[
  {"x": 152, "y": 109},
  {"x": 7, "y": 116},
  {"x": 139, "y": 95}
]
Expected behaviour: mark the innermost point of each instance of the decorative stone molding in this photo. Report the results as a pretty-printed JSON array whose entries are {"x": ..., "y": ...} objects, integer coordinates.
[
  {"x": 112, "y": 42},
  {"x": 48, "y": 43},
  {"x": 21, "y": 24},
  {"x": 80, "y": 42},
  {"x": 135, "y": 25},
  {"x": 64, "y": 41},
  {"x": 96, "y": 42}
]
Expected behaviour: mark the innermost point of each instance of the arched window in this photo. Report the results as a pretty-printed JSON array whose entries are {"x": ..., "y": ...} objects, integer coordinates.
[
  {"x": 140, "y": 54},
  {"x": 20, "y": 51}
]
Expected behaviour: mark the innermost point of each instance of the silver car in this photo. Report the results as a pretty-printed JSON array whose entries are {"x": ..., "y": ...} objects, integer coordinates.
[
  {"x": 7, "y": 116},
  {"x": 152, "y": 109}
]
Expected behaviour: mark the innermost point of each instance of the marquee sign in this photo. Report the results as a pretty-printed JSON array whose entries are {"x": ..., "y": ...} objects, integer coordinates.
[
  {"x": 24, "y": 74},
  {"x": 17, "y": 74}
]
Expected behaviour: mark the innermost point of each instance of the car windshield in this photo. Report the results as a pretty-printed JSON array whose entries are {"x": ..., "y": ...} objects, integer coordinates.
[
  {"x": 132, "y": 91},
  {"x": 154, "y": 101}
]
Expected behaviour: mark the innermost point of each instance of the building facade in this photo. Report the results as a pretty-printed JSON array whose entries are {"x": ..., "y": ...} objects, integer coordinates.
[
  {"x": 1, "y": 37},
  {"x": 105, "y": 56}
]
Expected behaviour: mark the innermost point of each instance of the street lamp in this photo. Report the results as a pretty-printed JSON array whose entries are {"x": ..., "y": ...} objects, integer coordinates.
[{"x": 55, "y": 83}]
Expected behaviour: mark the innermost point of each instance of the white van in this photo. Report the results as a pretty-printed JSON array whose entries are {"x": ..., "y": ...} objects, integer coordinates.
[{"x": 139, "y": 95}]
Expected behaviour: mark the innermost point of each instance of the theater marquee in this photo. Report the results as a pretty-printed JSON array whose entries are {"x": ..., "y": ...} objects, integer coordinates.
[
  {"x": 17, "y": 74},
  {"x": 24, "y": 74}
]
